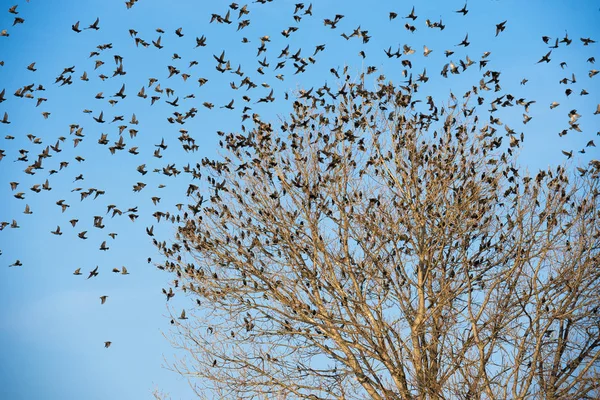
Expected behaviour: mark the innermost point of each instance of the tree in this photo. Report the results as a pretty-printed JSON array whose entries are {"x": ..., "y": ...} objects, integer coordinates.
[{"x": 375, "y": 247}]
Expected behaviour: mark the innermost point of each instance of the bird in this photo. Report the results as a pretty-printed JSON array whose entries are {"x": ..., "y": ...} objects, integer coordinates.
[
  {"x": 182, "y": 316},
  {"x": 94, "y": 25},
  {"x": 412, "y": 14},
  {"x": 465, "y": 42},
  {"x": 107, "y": 344},
  {"x": 569, "y": 154},
  {"x": 157, "y": 43},
  {"x": 463, "y": 10},
  {"x": 201, "y": 41},
  {"x": 229, "y": 106},
  {"x": 77, "y": 271},
  {"x": 103, "y": 299},
  {"x": 500, "y": 27},
  {"x": 100, "y": 118},
  {"x": 587, "y": 41},
  {"x": 93, "y": 272},
  {"x": 170, "y": 293},
  {"x": 545, "y": 58}
]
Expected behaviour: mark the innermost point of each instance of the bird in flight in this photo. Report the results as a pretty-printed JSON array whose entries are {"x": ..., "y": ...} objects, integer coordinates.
[{"x": 93, "y": 272}]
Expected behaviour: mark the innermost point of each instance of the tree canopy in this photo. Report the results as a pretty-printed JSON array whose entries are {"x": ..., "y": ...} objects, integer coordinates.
[{"x": 371, "y": 246}]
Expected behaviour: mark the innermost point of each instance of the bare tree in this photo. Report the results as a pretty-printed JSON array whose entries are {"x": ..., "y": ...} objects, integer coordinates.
[{"x": 375, "y": 247}]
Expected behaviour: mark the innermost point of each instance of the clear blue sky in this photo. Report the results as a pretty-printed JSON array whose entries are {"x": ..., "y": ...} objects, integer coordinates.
[{"x": 52, "y": 325}]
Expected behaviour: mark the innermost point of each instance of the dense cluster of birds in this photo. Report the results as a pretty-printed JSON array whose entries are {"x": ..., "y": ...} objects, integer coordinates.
[{"x": 38, "y": 158}]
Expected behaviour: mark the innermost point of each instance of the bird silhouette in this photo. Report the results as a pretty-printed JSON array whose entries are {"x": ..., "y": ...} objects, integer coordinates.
[
  {"x": 463, "y": 10},
  {"x": 545, "y": 58},
  {"x": 500, "y": 27},
  {"x": 94, "y": 25},
  {"x": 93, "y": 272}
]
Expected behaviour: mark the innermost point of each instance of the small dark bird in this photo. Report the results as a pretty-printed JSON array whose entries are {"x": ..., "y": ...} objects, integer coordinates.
[
  {"x": 229, "y": 106},
  {"x": 77, "y": 271},
  {"x": 94, "y": 25},
  {"x": 412, "y": 14},
  {"x": 93, "y": 272},
  {"x": 103, "y": 299},
  {"x": 545, "y": 58},
  {"x": 170, "y": 293},
  {"x": 100, "y": 118},
  {"x": 75, "y": 27},
  {"x": 107, "y": 344},
  {"x": 465, "y": 42},
  {"x": 587, "y": 41},
  {"x": 201, "y": 41},
  {"x": 182, "y": 316},
  {"x": 463, "y": 10},
  {"x": 500, "y": 27}
]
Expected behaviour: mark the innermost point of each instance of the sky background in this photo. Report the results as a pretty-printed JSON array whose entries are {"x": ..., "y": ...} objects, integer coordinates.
[{"x": 52, "y": 325}]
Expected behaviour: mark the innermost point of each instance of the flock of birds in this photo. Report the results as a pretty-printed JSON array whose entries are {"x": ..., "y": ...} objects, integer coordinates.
[{"x": 38, "y": 159}]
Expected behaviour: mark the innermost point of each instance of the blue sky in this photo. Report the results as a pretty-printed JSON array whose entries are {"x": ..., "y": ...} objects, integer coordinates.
[{"x": 52, "y": 324}]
